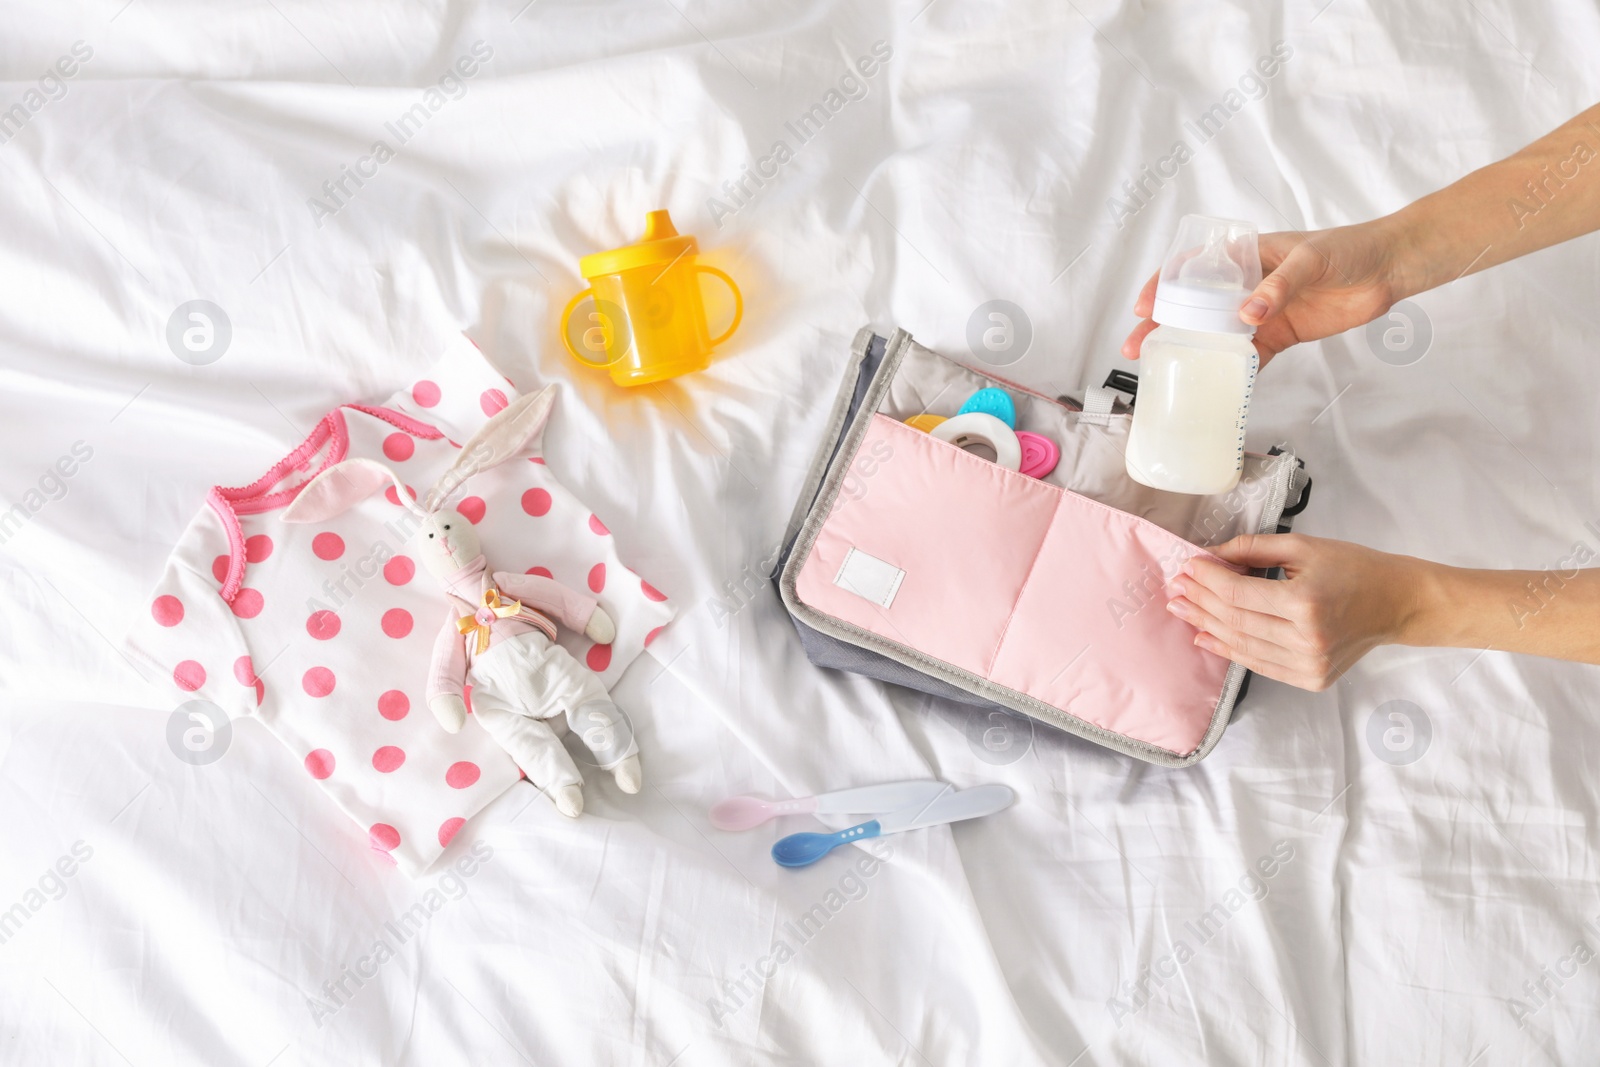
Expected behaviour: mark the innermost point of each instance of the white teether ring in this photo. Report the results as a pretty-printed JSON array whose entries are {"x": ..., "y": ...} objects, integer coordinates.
[{"x": 978, "y": 428}]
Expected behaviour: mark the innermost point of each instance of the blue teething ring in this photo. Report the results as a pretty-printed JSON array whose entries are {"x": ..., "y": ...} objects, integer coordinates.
[{"x": 994, "y": 402}]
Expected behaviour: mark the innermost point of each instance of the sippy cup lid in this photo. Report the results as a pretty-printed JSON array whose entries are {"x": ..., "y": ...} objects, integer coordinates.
[
  {"x": 660, "y": 245},
  {"x": 1210, "y": 271}
]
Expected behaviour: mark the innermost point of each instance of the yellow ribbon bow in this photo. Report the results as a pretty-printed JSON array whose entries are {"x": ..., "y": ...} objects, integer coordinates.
[{"x": 493, "y": 607}]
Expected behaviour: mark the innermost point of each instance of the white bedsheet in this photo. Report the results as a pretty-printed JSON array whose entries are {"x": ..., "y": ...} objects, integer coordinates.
[{"x": 1413, "y": 909}]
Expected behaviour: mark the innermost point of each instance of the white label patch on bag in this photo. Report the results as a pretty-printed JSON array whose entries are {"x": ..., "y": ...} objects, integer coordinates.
[{"x": 869, "y": 577}]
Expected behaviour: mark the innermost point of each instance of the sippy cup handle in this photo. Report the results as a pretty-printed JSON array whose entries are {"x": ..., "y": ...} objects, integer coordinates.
[
  {"x": 738, "y": 303},
  {"x": 566, "y": 316}
]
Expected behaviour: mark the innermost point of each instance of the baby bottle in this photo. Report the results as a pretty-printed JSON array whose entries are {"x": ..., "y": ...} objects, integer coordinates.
[{"x": 1198, "y": 365}]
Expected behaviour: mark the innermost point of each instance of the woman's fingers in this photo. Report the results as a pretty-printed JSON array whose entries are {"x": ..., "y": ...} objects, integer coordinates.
[
  {"x": 1261, "y": 607},
  {"x": 1276, "y": 245},
  {"x": 1200, "y": 607},
  {"x": 1269, "y": 626},
  {"x": 1278, "y": 672},
  {"x": 1130, "y": 347},
  {"x": 1260, "y": 550},
  {"x": 1146, "y": 303},
  {"x": 1240, "y": 591},
  {"x": 1265, "y": 354},
  {"x": 1247, "y": 636},
  {"x": 1302, "y": 266},
  {"x": 1259, "y": 643},
  {"x": 1142, "y": 307}
]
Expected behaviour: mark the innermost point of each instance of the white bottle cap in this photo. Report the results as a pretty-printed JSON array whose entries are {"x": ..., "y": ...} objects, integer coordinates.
[{"x": 1210, "y": 271}]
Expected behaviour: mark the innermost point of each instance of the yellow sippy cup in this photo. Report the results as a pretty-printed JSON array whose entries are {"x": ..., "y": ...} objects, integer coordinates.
[{"x": 649, "y": 321}]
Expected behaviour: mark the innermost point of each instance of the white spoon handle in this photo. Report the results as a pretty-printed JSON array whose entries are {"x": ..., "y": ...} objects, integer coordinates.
[{"x": 875, "y": 799}]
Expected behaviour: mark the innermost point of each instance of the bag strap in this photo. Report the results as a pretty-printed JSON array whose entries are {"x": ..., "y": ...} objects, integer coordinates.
[{"x": 1098, "y": 403}]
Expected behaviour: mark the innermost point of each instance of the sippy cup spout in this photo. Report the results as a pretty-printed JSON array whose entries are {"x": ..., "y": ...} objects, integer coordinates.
[{"x": 658, "y": 226}]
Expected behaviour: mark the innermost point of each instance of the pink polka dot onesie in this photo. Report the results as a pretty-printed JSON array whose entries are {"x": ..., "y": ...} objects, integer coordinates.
[{"x": 311, "y": 628}]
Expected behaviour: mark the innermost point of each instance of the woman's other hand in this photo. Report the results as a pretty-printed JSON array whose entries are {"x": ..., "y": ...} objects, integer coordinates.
[{"x": 1334, "y": 604}]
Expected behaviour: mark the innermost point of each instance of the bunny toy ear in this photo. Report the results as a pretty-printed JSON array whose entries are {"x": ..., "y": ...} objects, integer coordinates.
[
  {"x": 500, "y": 439},
  {"x": 343, "y": 486}
]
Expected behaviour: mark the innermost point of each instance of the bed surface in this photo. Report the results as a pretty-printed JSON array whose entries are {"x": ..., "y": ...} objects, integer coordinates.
[{"x": 1422, "y": 886}]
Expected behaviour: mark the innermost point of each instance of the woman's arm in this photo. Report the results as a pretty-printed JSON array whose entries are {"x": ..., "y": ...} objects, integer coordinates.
[
  {"x": 1545, "y": 194},
  {"x": 1327, "y": 281},
  {"x": 1337, "y": 601},
  {"x": 1553, "y": 612}
]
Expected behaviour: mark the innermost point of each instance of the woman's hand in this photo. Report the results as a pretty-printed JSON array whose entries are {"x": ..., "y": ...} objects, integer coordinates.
[
  {"x": 1319, "y": 284},
  {"x": 1335, "y": 603}
]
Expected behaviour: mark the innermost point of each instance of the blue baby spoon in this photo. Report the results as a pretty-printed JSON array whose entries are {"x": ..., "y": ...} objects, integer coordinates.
[
  {"x": 804, "y": 849},
  {"x": 953, "y": 805}
]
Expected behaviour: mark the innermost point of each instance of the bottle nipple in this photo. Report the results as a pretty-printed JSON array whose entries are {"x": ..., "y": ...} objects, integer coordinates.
[{"x": 1213, "y": 268}]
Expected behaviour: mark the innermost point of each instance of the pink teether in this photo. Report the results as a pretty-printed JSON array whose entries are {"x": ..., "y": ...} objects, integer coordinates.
[{"x": 1039, "y": 454}]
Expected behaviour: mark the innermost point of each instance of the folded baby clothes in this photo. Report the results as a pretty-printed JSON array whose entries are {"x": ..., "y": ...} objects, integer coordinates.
[{"x": 323, "y": 632}]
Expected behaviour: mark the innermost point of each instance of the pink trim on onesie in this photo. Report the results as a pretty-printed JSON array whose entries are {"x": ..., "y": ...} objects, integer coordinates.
[
  {"x": 230, "y": 525},
  {"x": 252, "y": 499},
  {"x": 400, "y": 420}
]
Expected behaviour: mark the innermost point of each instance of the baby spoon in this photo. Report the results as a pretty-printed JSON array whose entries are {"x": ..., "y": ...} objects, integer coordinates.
[
  {"x": 748, "y": 812},
  {"x": 804, "y": 849}
]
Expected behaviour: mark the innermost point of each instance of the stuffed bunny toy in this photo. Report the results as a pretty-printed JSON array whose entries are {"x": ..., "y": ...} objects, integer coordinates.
[{"x": 497, "y": 632}]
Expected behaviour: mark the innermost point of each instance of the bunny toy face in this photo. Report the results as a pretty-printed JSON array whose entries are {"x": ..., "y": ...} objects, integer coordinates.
[
  {"x": 447, "y": 542},
  {"x": 446, "y": 536}
]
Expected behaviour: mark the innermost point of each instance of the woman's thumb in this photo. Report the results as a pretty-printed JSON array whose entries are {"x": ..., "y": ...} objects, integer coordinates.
[{"x": 1302, "y": 265}]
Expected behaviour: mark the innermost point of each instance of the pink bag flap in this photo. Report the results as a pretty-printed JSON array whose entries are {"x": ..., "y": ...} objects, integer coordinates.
[{"x": 1015, "y": 581}]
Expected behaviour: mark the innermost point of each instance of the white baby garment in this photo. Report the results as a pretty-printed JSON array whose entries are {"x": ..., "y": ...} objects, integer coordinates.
[{"x": 324, "y": 631}]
